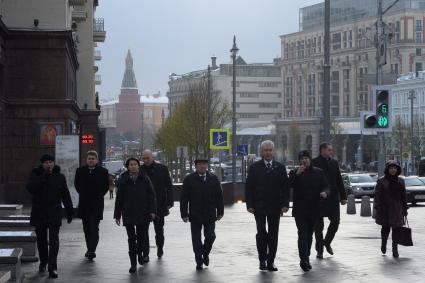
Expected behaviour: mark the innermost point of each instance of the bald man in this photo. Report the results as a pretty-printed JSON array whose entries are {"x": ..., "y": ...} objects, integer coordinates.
[{"x": 160, "y": 177}]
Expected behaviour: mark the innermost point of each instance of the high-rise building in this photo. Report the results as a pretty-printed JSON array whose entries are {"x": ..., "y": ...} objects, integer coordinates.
[{"x": 353, "y": 61}]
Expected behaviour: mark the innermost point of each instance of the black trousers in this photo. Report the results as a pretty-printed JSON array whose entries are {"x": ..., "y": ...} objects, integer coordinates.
[
  {"x": 305, "y": 227},
  {"x": 48, "y": 248},
  {"x": 158, "y": 224},
  {"x": 267, "y": 238},
  {"x": 91, "y": 233},
  {"x": 330, "y": 234},
  {"x": 385, "y": 232},
  {"x": 137, "y": 237},
  {"x": 202, "y": 249}
]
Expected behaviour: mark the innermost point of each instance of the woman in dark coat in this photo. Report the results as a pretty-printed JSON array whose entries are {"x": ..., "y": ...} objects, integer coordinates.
[
  {"x": 136, "y": 203},
  {"x": 390, "y": 203}
]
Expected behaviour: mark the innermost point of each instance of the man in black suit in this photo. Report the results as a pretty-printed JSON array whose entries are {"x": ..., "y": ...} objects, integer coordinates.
[
  {"x": 161, "y": 181},
  {"x": 329, "y": 206},
  {"x": 201, "y": 203},
  {"x": 267, "y": 198},
  {"x": 92, "y": 183}
]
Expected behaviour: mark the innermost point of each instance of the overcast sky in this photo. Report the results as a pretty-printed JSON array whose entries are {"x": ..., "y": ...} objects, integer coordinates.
[{"x": 179, "y": 36}]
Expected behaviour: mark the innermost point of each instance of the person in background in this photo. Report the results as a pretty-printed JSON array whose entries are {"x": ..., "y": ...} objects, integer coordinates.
[
  {"x": 390, "y": 203},
  {"x": 111, "y": 186}
]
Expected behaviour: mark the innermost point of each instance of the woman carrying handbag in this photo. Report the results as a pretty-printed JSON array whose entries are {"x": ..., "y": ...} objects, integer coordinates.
[{"x": 390, "y": 204}]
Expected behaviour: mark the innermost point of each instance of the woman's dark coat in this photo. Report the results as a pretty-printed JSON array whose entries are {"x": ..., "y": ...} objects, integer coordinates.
[
  {"x": 390, "y": 204},
  {"x": 306, "y": 192},
  {"x": 135, "y": 200},
  {"x": 49, "y": 191}
]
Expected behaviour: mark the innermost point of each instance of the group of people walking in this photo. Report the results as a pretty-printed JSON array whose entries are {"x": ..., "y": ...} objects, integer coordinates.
[{"x": 145, "y": 195}]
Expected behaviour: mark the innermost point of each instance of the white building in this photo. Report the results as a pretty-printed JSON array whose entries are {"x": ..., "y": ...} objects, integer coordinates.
[{"x": 258, "y": 88}]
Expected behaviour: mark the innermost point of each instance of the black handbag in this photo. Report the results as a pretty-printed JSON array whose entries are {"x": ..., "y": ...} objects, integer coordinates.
[{"x": 403, "y": 235}]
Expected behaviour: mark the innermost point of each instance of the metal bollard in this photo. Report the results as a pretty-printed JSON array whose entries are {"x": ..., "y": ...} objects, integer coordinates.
[
  {"x": 351, "y": 204},
  {"x": 365, "y": 207}
]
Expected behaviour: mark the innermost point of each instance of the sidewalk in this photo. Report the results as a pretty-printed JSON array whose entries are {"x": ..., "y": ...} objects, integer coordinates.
[{"x": 234, "y": 257}]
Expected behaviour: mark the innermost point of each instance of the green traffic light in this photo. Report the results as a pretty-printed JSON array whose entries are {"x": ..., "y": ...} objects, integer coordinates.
[
  {"x": 383, "y": 108},
  {"x": 383, "y": 121}
]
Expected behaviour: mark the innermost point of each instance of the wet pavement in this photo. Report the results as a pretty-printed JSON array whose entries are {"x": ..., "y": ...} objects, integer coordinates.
[{"x": 234, "y": 257}]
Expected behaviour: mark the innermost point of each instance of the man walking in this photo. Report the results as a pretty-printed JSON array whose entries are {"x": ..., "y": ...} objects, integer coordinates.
[
  {"x": 267, "y": 198},
  {"x": 48, "y": 189},
  {"x": 91, "y": 183},
  {"x": 201, "y": 203},
  {"x": 329, "y": 207},
  {"x": 161, "y": 181}
]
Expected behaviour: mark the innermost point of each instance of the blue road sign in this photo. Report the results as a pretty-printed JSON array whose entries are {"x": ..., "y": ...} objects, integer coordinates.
[
  {"x": 219, "y": 138},
  {"x": 242, "y": 150}
]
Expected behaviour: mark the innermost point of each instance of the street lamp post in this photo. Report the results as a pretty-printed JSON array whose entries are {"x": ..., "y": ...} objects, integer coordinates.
[
  {"x": 234, "y": 52},
  {"x": 412, "y": 97}
]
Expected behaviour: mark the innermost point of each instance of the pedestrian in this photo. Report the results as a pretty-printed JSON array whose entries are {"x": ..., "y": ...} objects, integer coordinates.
[
  {"x": 309, "y": 187},
  {"x": 330, "y": 206},
  {"x": 267, "y": 198},
  {"x": 161, "y": 181},
  {"x": 390, "y": 203},
  {"x": 48, "y": 189},
  {"x": 136, "y": 204},
  {"x": 111, "y": 186},
  {"x": 92, "y": 183},
  {"x": 201, "y": 203}
]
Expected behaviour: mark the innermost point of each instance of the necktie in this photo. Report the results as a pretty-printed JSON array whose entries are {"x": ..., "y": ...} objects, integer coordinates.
[{"x": 269, "y": 165}]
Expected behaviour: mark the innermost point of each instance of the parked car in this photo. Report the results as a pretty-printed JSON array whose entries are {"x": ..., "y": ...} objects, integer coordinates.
[
  {"x": 374, "y": 176},
  {"x": 422, "y": 179},
  {"x": 415, "y": 189},
  {"x": 359, "y": 184}
]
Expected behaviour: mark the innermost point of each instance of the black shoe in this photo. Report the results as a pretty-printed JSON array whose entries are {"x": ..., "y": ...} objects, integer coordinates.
[
  {"x": 132, "y": 269},
  {"x": 304, "y": 265},
  {"x": 42, "y": 267},
  {"x": 199, "y": 267},
  {"x": 206, "y": 260},
  {"x": 146, "y": 259},
  {"x": 87, "y": 254},
  {"x": 329, "y": 249},
  {"x": 271, "y": 267},
  {"x": 160, "y": 252},
  {"x": 395, "y": 251},
  {"x": 53, "y": 274},
  {"x": 263, "y": 265},
  {"x": 91, "y": 256},
  {"x": 383, "y": 249},
  {"x": 309, "y": 265},
  {"x": 140, "y": 259},
  {"x": 320, "y": 255}
]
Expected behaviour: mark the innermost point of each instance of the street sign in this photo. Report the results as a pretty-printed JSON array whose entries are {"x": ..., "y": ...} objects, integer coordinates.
[
  {"x": 182, "y": 152},
  {"x": 242, "y": 150},
  {"x": 219, "y": 138}
]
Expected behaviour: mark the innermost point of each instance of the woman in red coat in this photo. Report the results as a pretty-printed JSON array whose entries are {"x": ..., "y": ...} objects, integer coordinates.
[{"x": 390, "y": 203}]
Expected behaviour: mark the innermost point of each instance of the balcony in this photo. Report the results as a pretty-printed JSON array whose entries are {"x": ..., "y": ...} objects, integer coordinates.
[
  {"x": 77, "y": 2},
  {"x": 97, "y": 55},
  {"x": 99, "y": 33},
  {"x": 79, "y": 14},
  {"x": 97, "y": 79}
]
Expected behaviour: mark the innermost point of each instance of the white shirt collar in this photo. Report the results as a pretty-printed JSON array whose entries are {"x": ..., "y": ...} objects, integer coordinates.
[{"x": 268, "y": 162}]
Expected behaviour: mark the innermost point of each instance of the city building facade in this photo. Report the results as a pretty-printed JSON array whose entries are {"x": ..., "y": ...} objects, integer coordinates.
[{"x": 353, "y": 61}]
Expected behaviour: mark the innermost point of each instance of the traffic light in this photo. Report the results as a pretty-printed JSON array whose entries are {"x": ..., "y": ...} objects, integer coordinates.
[{"x": 380, "y": 118}]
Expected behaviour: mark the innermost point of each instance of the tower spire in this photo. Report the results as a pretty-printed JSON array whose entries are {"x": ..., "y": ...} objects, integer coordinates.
[{"x": 129, "y": 79}]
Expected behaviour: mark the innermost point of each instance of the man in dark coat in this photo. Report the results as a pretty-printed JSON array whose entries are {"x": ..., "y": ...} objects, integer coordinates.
[
  {"x": 330, "y": 206},
  {"x": 201, "y": 203},
  {"x": 309, "y": 186},
  {"x": 267, "y": 198},
  {"x": 163, "y": 186},
  {"x": 91, "y": 183},
  {"x": 48, "y": 189}
]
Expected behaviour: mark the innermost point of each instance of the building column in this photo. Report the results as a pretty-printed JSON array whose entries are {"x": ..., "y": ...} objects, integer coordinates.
[{"x": 315, "y": 140}]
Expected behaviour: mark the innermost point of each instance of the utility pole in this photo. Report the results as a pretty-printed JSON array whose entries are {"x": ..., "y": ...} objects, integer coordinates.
[
  {"x": 412, "y": 97},
  {"x": 327, "y": 75},
  {"x": 234, "y": 52}
]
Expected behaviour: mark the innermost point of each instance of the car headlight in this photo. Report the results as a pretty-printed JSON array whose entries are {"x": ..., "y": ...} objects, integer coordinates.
[{"x": 358, "y": 188}]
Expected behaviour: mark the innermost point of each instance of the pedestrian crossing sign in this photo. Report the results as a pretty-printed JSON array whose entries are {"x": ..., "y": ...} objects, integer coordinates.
[{"x": 219, "y": 138}]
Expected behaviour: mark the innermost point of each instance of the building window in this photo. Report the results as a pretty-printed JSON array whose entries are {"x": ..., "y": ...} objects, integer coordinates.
[
  {"x": 418, "y": 25},
  {"x": 418, "y": 67},
  {"x": 336, "y": 41},
  {"x": 268, "y": 84},
  {"x": 268, "y": 105},
  {"x": 249, "y": 94},
  {"x": 419, "y": 37},
  {"x": 418, "y": 51}
]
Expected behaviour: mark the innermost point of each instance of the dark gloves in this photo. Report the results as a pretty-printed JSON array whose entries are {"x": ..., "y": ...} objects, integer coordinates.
[{"x": 69, "y": 219}]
